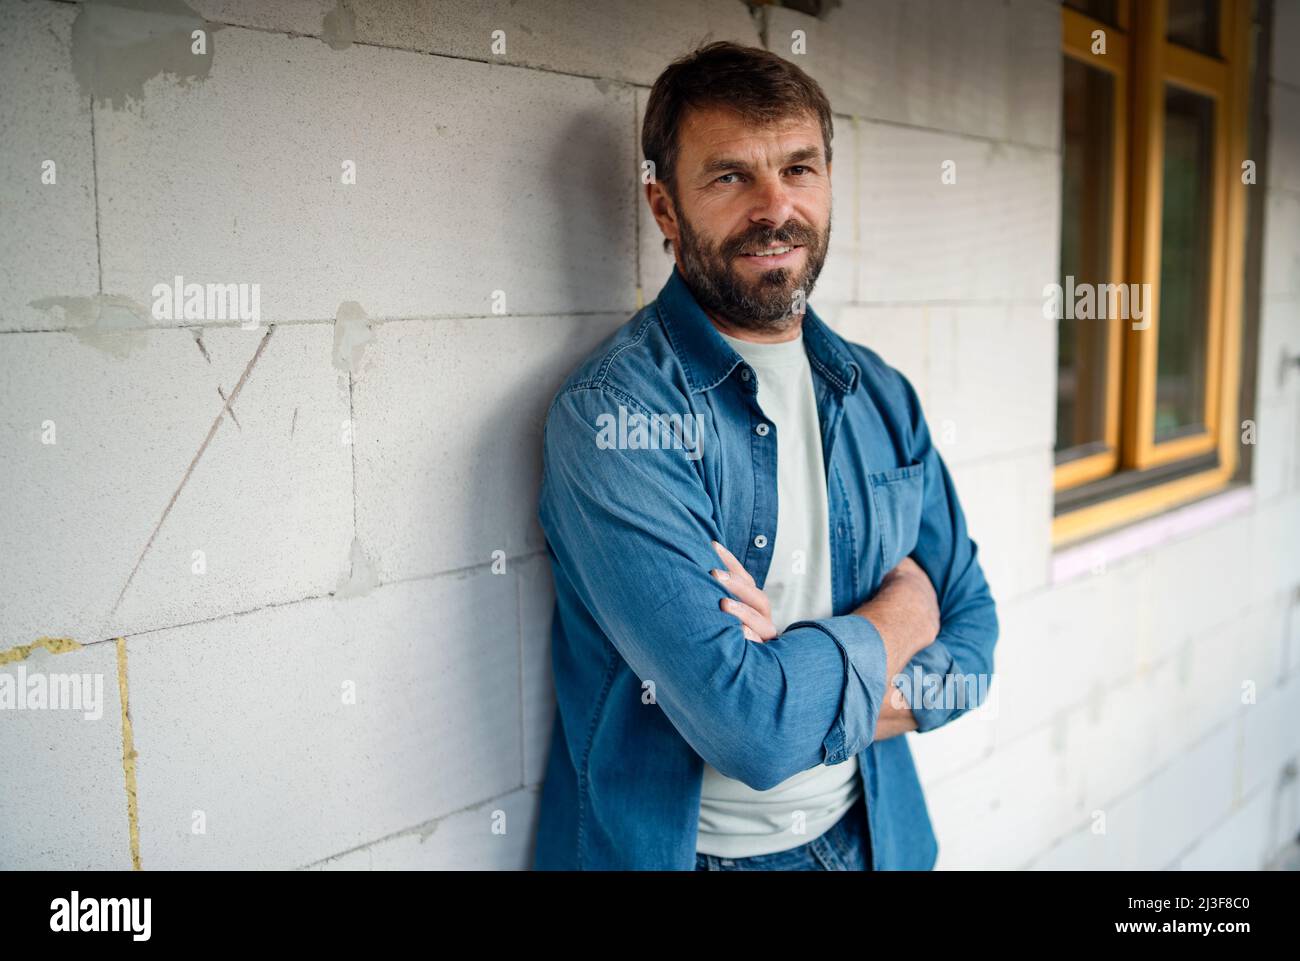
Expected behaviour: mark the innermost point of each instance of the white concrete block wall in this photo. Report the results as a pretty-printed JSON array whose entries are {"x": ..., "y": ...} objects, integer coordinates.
[
  {"x": 470, "y": 178},
  {"x": 62, "y": 802},
  {"x": 977, "y": 68},
  {"x": 276, "y": 467},
  {"x": 48, "y": 247},
  {"x": 465, "y": 470},
  {"x": 970, "y": 240},
  {"x": 433, "y": 724},
  {"x": 352, "y": 658}
]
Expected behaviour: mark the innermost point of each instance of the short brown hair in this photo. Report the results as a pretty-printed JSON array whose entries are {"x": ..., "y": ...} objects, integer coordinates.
[{"x": 755, "y": 83}]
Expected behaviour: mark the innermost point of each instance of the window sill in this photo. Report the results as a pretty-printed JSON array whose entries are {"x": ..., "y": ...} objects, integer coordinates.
[{"x": 1095, "y": 554}]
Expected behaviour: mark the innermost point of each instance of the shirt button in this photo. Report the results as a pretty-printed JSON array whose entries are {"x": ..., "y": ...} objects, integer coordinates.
[
  {"x": 760, "y": 541},
  {"x": 761, "y": 430},
  {"x": 744, "y": 373}
]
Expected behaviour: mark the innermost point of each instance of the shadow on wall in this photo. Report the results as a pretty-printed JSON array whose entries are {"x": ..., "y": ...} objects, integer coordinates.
[
  {"x": 593, "y": 175},
  {"x": 534, "y": 355}
]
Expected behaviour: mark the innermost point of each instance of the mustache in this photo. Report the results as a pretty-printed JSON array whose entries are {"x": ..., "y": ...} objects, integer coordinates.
[{"x": 796, "y": 234}]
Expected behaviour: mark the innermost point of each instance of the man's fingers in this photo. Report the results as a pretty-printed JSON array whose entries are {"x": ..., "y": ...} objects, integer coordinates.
[
  {"x": 748, "y": 604},
  {"x": 746, "y": 593},
  {"x": 734, "y": 567},
  {"x": 748, "y": 617}
]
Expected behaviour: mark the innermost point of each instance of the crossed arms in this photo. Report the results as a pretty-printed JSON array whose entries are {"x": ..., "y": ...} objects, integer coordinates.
[
  {"x": 905, "y": 610},
  {"x": 630, "y": 534}
]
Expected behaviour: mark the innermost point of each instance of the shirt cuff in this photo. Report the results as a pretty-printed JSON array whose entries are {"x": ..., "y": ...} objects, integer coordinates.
[
  {"x": 925, "y": 684},
  {"x": 864, "y": 684}
]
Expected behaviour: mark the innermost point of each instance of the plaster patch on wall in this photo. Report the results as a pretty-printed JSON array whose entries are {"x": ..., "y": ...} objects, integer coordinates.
[
  {"x": 339, "y": 28},
  {"x": 352, "y": 333},
  {"x": 119, "y": 45},
  {"x": 108, "y": 322},
  {"x": 361, "y": 578},
  {"x": 55, "y": 645},
  {"x": 129, "y": 756}
]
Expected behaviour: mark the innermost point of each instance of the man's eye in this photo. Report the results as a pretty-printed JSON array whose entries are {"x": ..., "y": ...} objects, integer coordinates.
[
  {"x": 720, "y": 179},
  {"x": 800, "y": 167}
]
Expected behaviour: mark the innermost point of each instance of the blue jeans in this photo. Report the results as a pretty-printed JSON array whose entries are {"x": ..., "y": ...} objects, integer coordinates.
[{"x": 845, "y": 847}]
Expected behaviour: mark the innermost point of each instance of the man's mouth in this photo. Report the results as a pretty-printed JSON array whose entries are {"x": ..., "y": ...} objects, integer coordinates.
[{"x": 773, "y": 255}]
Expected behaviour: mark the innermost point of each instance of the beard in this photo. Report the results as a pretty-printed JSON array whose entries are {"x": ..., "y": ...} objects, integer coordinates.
[{"x": 764, "y": 303}]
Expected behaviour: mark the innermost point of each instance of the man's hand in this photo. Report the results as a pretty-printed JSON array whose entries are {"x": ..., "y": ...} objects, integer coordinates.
[
  {"x": 750, "y": 606},
  {"x": 905, "y": 611}
]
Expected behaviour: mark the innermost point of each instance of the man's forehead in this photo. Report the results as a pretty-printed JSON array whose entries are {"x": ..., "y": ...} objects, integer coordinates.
[{"x": 711, "y": 132}]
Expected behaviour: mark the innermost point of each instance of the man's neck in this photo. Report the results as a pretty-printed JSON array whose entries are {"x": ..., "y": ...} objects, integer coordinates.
[{"x": 758, "y": 336}]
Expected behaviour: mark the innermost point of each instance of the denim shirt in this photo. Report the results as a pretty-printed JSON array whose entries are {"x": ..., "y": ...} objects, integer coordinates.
[{"x": 651, "y": 677}]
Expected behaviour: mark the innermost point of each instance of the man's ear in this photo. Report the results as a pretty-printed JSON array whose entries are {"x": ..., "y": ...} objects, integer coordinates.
[{"x": 662, "y": 209}]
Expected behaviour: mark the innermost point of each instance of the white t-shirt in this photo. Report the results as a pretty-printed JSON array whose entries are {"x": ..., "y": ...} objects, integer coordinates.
[{"x": 735, "y": 820}]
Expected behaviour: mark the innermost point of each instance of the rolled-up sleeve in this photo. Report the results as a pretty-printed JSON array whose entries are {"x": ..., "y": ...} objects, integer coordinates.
[
  {"x": 863, "y": 650},
  {"x": 629, "y": 531}
]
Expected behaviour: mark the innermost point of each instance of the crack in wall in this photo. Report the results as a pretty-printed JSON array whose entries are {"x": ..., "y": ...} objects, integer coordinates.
[
  {"x": 216, "y": 423},
  {"x": 424, "y": 830},
  {"x": 198, "y": 339},
  {"x": 230, "y": 410}
]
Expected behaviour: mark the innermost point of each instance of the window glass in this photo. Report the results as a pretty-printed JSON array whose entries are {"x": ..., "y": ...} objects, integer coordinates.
[
  {"x": 1184, "y": 263},
  {"x": 1086, "y": 190},
  {"x": 1195, "y": 24}
]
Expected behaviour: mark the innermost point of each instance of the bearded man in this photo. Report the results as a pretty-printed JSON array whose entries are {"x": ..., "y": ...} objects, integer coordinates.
[{"x": 728, "y": 620}]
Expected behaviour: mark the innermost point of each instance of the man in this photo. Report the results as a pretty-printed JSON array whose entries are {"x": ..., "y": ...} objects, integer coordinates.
[{"x": 750, "y": 531}]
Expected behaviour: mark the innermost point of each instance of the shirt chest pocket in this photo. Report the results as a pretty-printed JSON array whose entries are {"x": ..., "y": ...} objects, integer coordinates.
[{"x": 896, "y": 497}]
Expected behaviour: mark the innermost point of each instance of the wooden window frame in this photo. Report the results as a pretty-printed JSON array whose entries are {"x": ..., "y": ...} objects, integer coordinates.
[
  {"x": 1142, "y": 62},
  {"x": 1077, "y": 44}
]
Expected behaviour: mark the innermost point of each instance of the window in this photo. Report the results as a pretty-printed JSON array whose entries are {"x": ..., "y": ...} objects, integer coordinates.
[{"x": 1153, "y": 140}]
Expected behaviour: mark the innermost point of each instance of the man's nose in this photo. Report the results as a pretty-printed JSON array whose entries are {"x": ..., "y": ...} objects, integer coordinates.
[{"x": 772, "y": 203}]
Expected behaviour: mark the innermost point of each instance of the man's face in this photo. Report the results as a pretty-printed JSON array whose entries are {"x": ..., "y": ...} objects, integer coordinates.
[{"x": 743, "y": 189}]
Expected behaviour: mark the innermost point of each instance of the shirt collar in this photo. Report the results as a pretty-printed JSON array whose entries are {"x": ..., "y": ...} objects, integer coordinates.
[{"x": 707, "y": 359}]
